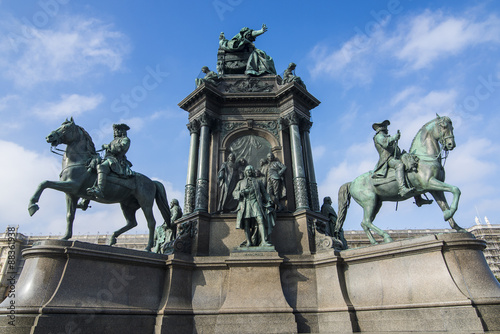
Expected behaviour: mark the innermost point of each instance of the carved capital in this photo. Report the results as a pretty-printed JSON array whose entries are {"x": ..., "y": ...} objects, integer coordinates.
[
  {"x": 294, "y": 118},
  {"x": 206, "y": 120},
  {"x": 305, "y": 125},
  {"x": 194, "y": 126}
]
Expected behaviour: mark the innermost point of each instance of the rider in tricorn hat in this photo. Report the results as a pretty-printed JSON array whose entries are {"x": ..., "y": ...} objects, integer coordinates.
[
  {"x": 389, "y": 155},
  {"x": 114, "y": 160}
]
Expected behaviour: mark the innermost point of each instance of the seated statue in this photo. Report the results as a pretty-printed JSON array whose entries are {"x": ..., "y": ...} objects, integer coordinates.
[
  {"x": 289, "y": 76},
  {"x": 239, "y": 55},
  {"x": 210, "y": 76},
  {"x": 164, "y": 233}
]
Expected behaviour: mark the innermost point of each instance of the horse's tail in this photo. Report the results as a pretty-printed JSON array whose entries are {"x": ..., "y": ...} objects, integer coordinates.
[
  {"x": 344, "y": 200},
  {"x": 162, "y": 202}
]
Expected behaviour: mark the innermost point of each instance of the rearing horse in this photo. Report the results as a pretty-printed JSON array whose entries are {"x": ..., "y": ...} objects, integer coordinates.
[
  {"x": 132, "y": 194},
  {"x": 431, "y": 139}
]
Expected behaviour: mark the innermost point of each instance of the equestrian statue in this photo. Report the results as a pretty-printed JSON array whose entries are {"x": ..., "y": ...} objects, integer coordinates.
[
  {"x": 86, "y": 176},
  {"x": 399, "y": 176}
]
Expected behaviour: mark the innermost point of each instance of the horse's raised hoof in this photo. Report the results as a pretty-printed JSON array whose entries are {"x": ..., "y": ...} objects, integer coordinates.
[
  {"x": 33, "y": 208},
  {"x": 112, "y": 240}
]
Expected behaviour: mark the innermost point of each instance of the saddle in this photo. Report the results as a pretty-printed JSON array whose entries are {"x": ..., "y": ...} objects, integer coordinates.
[
  {"x": 410, "y": 161},
  {"x": 128, "y": 182}
]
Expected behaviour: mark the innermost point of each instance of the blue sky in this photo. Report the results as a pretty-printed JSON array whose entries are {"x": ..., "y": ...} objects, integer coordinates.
[{"x": 366, "y": 61}]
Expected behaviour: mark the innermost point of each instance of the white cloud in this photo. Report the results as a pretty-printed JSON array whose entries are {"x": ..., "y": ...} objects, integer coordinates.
[
  {"x": 20, "y": 178},
  {"x": 72, "y": 48},
  {"x": 418, "y": 110},
  {"x": 318, "y": 152},
  {"x": 7, "y": 100},
  {"x": 404, "y": 95},
  {"x": 416, "y": 41},
  {"x": 360, "y": 158},
  {"x": 69, "y": 105},
  {"x": 433, "y": 36}
]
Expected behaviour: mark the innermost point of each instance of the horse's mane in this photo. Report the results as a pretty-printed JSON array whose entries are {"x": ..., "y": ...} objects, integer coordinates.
[
  {"x": 90, "y": 144},
  {"x": 439, "y": 119}
]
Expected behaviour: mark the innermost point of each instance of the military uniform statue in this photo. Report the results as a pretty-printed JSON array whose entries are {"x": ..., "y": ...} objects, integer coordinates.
[
  {"x": 114, "y": 161},
  {"x": 389, "y": 156}
]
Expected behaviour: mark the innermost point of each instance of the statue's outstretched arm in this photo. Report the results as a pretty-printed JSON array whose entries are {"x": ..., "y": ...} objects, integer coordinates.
[{"x": 256, "y": 33}]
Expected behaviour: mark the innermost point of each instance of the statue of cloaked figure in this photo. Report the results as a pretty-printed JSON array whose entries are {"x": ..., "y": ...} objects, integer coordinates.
[
  {"x": 289, "y": 75},
  {"x": 164, "y": 233},
  {"x": 227, "y": 177},
  {"x": 276, "y": 180},
  {"x": 255, "y": 210},
  {"x": 114, "y": 161},
  {"x": 210, "y": 76},
  {"x": 259, "y": 62},
  {"x": 333, "y": 230}
]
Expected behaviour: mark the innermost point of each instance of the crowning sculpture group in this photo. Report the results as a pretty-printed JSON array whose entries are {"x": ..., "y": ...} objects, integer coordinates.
[{"x": 255, "y": 195}]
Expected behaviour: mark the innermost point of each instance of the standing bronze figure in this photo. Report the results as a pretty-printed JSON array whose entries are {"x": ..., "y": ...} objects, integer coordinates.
[{"x": 253, "y": 210}]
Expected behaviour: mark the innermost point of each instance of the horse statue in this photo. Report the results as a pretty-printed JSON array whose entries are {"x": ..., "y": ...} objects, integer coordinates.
[
  {"x": 428, "y": 176},
  {"x": 76, "y": 177}
]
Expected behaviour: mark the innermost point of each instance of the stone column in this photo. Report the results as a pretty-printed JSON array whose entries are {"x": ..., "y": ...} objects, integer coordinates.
[
  {"x": 312, "y": 186},
  {"x": 190, "y": 191},
  {"x": 203, "y": 161},
  {"x": 299, "y": 175}
]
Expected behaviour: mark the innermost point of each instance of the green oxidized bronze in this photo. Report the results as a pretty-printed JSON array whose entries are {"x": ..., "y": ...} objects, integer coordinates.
[
  {"x": 255, "y": 213},
  {"x": 80, "y": 160},
  {"x": 240, "y": 56},
  {"x": 210, "y": 76},
  {"x": 166, "y": 232},
  {"x": 422, "y": 172},
  {"x": 289, "y": 75}
]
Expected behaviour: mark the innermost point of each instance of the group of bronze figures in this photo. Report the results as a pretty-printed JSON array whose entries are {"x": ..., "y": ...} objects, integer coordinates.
[
  {"x": 256, "y": 195},
  {"x": 240, "y": 56}
]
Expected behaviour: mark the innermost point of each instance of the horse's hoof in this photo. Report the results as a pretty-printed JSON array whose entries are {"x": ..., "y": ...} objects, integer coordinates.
[
  {"x": 387, "y": 239},
  {"x": 66, "y": 238},
  {"x": 148, "y": 249},
  {"x": 33, "y": 208},
  {"x": 112, "y": 240}
]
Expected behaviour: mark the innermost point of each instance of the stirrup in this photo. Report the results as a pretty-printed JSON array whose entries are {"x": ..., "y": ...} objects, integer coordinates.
[
  {"x": 95, "y": 191},
  {"x": 420, "y": 201}
]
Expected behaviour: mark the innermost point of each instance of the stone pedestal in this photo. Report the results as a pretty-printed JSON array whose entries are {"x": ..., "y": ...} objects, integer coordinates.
[
  {"x": 437, "y": 283},
  {"x": 255, "y": 302}
]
